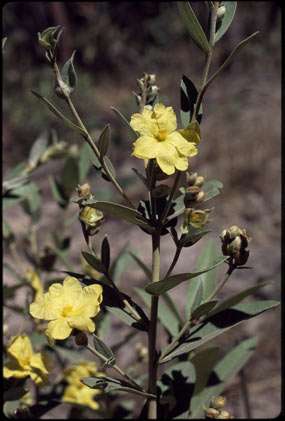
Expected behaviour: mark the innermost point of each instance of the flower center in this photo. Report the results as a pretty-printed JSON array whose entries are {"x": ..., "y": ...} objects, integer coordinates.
[
  {"x": 66, "y": 310},
  {"x": 161, "y": 134}
]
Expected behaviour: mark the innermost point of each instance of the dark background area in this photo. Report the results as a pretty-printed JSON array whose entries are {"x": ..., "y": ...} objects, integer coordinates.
[{"x": 115, "y": 43}]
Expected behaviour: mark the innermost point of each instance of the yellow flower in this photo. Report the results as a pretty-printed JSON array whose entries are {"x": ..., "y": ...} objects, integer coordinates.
[
  {"x": 159, "y": 139},
  {"x": 23, "y": 362},
  {"x": 76, "y": 391},
  {"x": 31, "y": 276},
  {"x": 68, "y": 306}
]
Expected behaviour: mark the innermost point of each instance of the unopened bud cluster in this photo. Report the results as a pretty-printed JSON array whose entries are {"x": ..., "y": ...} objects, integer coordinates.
[
  {"x": 91, "y": 217},
  {"x": 215, "y": 411},
  {"x": 193, "y": 196},
  {"x": 147, "y": 88},
  {"x": 234, "y": 244}
]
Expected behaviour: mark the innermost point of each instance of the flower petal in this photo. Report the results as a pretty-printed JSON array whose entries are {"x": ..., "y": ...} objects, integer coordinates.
[
  {"x": 58, "y": 329},
  {"x": 145, "y": 147},
  {"x": 166, "y": 157},
  {"x": 184, "y": 147},
  {"x": 81, "y": 323},
  {"x": 142, "y": 122},
  {"x": 45, "y": 307}
]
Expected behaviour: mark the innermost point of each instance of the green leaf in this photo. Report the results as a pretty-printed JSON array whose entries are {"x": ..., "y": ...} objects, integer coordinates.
[
  {"x": 119, "y": 211},
  {"x": 133, "y": 133},
  {"x": 188, "y": 99},
  {"x": 53, "y": 109},
  {"x": 206, "y": 259},
  {"x": 68, "y": 74},
  {"x": 37, "y": 150},
  {"x": 218, "y": 324},
  {"x": 227, "y": 19},
  {"x": 104, "y": 141},
  {"x": 158, "y": 288},
  {"x": 235, "y": 299},
  {"x": 3, "y": 44},
  {"x": 94, "y": 262},
  {"x": 58, "y": 192},
  {"x": 110, "y": 384},
  {"x": 204, "y": 362},
  {"x": 142, "y": 265},
  {"x": 211, "y": 188},
  {"x": 104, "y": 349},
  {"x": 71, "y": 355},
  {"x": 83, "y": 161},
  {"x": 70, "y": 175},
  {"x": 20, "y": 193},
  {"x": 192, "y": 24},
  {"x": 203, "y": 309},
  {"x": 221, "y": 376},
  {"x": 120, "y": 265},
  {"x": 166, "y": 317},
  {"x": 110, "y": 167},
  {"x": 105, "y": 253},
  {"x": 235, "y": 51},
  {"x": 195, "y": 295},
  {"x": 193, "y": 235}
]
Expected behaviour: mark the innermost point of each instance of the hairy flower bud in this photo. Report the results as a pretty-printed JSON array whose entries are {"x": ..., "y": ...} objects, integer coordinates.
[
  {"x": 84, "y": 190},
  {"x": 234, "y": 244},
  {"x": 211, "y": 413},
  {"x": 218, "y": 402}
]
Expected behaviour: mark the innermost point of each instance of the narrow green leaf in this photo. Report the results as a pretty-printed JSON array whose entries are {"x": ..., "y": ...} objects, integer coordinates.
[
  {"x": 166, "y": 317},
  {"x": 227, "y": 18},
  {"x": 158, "y": 288},
  {"x": 120, "y": 265},
  {"x": 110, "y": 384},
  {"x": 193, "y": 235},
  {"x": 206, "y": 259},
  {"x": 37, "y": 150},
  {"x": 219, "y": 324},
  {"x": 70, "y": 175},
  {"x": 20, "y": 193},
  {"x": 221, "y": 376},
  {"x": 53, "y": 109},
  {"x": 203, "y": 309},
  {"x": 83, "y": 161},
  {"x": 94, "y": 262},
  {"x": 192, "y": 24},
  {"x": 195, "y": 295},
  {"x": 204, "y": 362},
  {"x": 235, "y": 299},
  {"x": 119, "y": 211},
  {"x": 104, "y": 141},
  {"x": 104, "y": 349},
  {"x": 110, "y": 167},
  {"x": 142, "y": 265},
  {"x": 68, "y": 74},
  {"x": 188, "y": 99},
  {"x": 235, "y": 51},
  {"x": 105, "y": 252},
  {"x": 57, "y": 191},
  {"x": 211, "y": 188},
  {"x": 134, "y": 134}
]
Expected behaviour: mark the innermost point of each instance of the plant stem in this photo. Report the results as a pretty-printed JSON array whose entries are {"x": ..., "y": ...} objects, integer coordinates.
[
  {"x": 189, "y": 323},
  {"x": 115, "y": 367},
  {"x": 167, "y": 207},
  {"x": 152, "y": 354},
  {"x": 174, "y": 261},
  {"x": 202, "y": 88},
  {"x": 90, "y": 141}
]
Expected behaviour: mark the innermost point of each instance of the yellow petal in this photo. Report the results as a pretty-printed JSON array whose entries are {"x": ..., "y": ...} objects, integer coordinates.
[
  {"x": 20, "y": 348},
  {"x": 81, "y": 323},
  {"x": 58, "y": 329},
  {"x": 184, "y": 147},
  {"x": 145, "y": 147},
  {"x": 166, "y": 157},
  {"x": 41, "y": 362},
  {"x": 142, "y": 122},
  {"x": 10, "y": 370},
  {"x": 45, "y": 307}
]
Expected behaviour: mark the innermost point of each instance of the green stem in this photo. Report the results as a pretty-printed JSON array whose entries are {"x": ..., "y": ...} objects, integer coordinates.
[
  {"x": 174, "y": 261},
  {"x": 115, "y": 367},
  {"x": 212, "y": 37},
  {"x": 152, "y": 353},
  {"x": 90, "y": 141},
  {"x": 189, "y": 323},
  {"x": 169, "y": 202}
]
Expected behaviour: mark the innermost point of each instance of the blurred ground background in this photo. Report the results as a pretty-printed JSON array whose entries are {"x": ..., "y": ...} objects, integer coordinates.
[{"x": 115, "y": 44}]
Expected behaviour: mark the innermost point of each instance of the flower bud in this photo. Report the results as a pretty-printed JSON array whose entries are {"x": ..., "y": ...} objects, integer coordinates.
[
  {"x": 224, "y": 415},
  {"x": 218, "y": 402},
  {"x": 220, "y": 12},
  {"x": 151, "y": 79},
  {"x": 211, "y": 413},
  {"x": 142, "y": 352},
  {"x": 81, "y": 339},
  {"x": 91, "y": 217},
  {"x": 191, "y": 178},
  {"x": 234, "y": 244},
  {"x": 83, "y": 190},
  {"x": 199, "y": 181}
]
